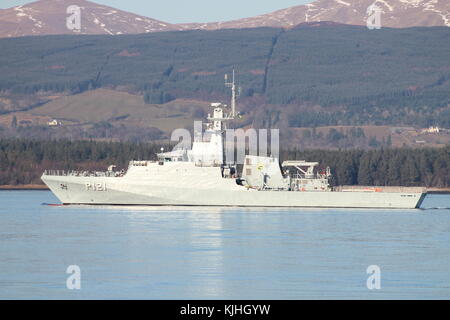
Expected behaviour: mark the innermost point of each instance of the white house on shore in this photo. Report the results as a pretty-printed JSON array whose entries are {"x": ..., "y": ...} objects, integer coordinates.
[
  {"x": 54, "y": 123},
  {"x": 431, "y": 130}
]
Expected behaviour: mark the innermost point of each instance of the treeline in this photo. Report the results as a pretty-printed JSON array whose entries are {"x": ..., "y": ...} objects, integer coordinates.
[
  {"x": 355, "y": 75},
  {"x": 23, "y": 161},
  {"x": 428, "y": 167}
]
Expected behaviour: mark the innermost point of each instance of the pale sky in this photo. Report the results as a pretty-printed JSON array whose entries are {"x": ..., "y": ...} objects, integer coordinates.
[{"x": 180, "y": 11}]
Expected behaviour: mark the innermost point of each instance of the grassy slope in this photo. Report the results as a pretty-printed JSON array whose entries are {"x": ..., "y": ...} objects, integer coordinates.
[
  {"x": 113, "y": 106},
  {"x": 121, "y": 108}
]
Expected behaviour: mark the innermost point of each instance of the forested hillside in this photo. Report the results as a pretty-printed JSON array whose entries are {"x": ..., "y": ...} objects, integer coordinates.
[
  {"x": 311, "y": 75},
  {"x": 23, "y": 161}
]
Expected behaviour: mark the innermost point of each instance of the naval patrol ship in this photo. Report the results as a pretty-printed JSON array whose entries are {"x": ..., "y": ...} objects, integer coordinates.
[{"x": 200, "y": 176}]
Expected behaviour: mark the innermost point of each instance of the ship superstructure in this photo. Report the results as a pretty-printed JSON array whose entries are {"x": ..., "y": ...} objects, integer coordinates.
[{"x": 200, "y": 176}]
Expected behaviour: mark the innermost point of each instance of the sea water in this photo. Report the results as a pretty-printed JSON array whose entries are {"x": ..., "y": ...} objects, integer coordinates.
[{"x": 221, "y": 253}]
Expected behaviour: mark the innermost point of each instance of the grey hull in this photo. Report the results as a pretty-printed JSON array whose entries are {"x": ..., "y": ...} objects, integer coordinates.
[{"x": 119, "y": 191}]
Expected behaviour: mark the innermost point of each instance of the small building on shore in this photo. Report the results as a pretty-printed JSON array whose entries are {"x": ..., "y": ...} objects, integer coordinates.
[
  {"x": 54, "y": 123},
  {"x": 431, "y": 130}
]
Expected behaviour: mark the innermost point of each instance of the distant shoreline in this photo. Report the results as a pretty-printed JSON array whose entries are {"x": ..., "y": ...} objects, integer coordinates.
[
  {"x": 42, "y": 187},
  {"x": 438, "y": 190},
  {"x": 24, "y": 187}
]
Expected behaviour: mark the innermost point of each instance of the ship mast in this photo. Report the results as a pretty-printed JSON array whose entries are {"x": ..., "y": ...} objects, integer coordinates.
[
  {"x": 230, "y": 116},
  {"x": 232, "y": 85}
]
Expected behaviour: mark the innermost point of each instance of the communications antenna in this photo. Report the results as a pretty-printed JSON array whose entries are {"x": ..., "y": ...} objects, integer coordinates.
[{"x": 232, "y": 85}]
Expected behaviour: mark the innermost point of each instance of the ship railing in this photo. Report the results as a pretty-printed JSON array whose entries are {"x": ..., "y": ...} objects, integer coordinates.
[
  {"x": 393, "y": 189},
  {"x": 73, "y": 173},
  {"x": 298, "y": 176}
]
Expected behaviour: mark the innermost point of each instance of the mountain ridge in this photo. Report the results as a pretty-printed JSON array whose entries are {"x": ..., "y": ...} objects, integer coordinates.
[
  {"x": 394, "y": 13},
  {"x": 45, "y": 17},
  {"x": 48, "y": 17}
]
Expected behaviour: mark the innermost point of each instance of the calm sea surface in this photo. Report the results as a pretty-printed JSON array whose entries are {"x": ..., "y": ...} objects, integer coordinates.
[{"x": 204, "y": 253}]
